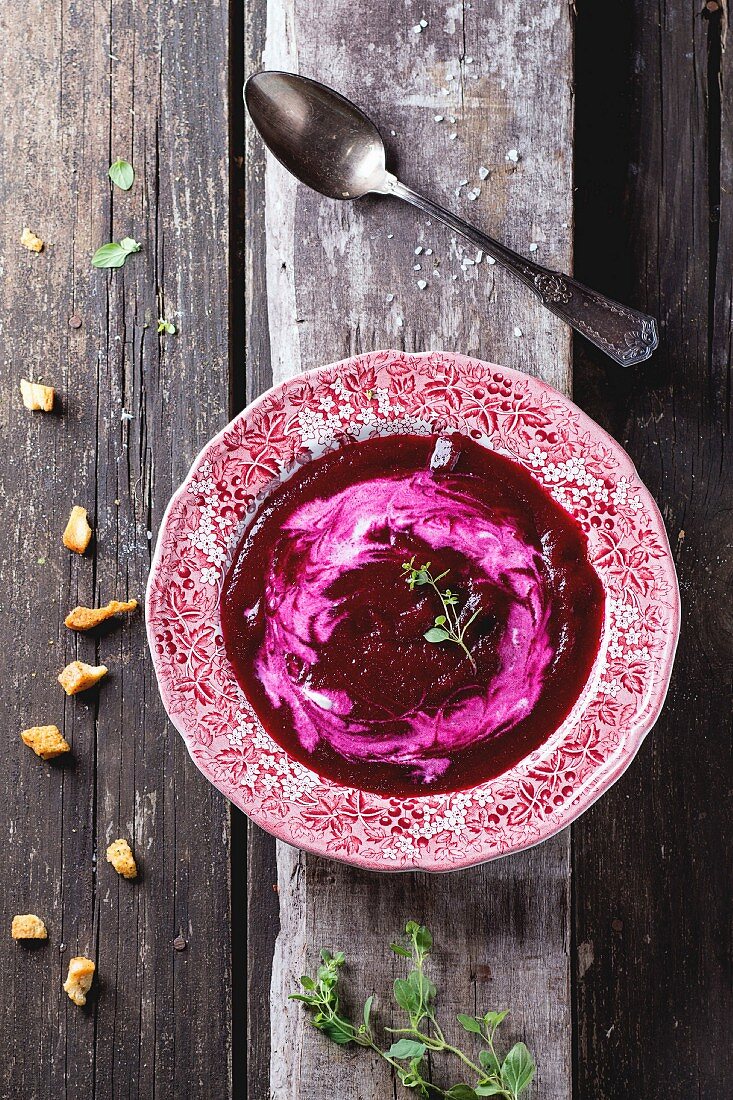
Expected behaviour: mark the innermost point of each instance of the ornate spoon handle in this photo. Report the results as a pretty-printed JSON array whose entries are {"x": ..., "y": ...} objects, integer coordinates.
[{"x": 625, "y": 334}]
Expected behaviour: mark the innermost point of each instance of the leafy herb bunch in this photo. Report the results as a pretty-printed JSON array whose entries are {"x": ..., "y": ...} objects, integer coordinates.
[{"x": 492, "y": 1075}]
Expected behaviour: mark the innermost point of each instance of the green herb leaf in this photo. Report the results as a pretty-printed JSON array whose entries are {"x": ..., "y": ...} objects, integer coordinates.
[
  {"x": 436, "y": 634},
  {"x": 399, "y": 950},
  {"x": 493, "y": 1019},
  {"x": 469, "y": 1023},
  {"x": 406, "y": 996},
  {"x": 423, "y": 939},
  {"x": 518, "y": 1068},
  {"x": 122, "y": 174},
  {"x": 461, "y": 1092},
  {"x": 490, "y": 1088},
  {"x": 406, "y": 1048},
  {"x": 338, "y": 1030},
  {"x": 166, "y": 326},
  {"x": 368, "y": 1010},
  {"x": 489, "y": 1062},
  {"x": 307, "y": 982},
  {"x": 113, "y": 254}
]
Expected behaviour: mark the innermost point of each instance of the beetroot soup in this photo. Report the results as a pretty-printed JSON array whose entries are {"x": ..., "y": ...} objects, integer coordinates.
[{"x": 363, "y": 552}]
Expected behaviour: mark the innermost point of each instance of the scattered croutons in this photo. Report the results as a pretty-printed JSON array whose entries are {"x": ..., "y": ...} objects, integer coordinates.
[
  {"x": 85, "y": 618},
  {"x": 78, "y": 676},
  {"x": 36, "y": 396},
  {"x": 30, "y": 241},
  {"x": 119, "y": 854},
  {"x": 77, "y": 532},
  {"x": 46, "y": 741},
  {"x": 27, "y": 926},
  {"x": 79, "y": 980}
]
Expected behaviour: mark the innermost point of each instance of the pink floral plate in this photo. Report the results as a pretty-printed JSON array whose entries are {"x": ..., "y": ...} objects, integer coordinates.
[{"x": 393, "y": 392}]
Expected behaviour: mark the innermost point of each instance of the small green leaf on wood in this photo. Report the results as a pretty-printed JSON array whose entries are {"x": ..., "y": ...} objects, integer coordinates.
[
  {"x": 406, "y": 1048},
  {"x": 122, "y": 174},
  {"x": 469, "y": 1023},
  {"x": 518, "y": 1068}
]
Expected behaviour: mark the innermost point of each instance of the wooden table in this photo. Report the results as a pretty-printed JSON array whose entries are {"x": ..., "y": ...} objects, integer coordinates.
[{"x": 611, "y": 943}]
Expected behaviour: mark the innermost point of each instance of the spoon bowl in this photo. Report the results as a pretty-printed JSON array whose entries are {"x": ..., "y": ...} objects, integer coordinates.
[{"x": 322, "y": 138}]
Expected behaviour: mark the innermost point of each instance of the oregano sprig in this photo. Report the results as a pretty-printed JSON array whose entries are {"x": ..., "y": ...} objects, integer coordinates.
[
  {"x": 447, "y": 627},
  {"x": 505, "y": 1077}
]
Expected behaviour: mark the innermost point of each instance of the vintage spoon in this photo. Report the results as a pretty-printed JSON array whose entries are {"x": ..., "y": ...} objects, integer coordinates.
[{"x": 330, "y": 145}]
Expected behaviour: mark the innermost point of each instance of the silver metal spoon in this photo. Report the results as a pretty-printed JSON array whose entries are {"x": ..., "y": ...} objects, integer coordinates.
[{"x": 330, "y": 145}]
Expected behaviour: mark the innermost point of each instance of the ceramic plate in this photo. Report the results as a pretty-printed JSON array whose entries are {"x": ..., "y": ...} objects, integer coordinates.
[{"x": 393, "y": 392}]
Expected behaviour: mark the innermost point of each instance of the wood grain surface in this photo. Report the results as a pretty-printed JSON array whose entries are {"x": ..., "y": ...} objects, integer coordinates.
[
  {"x": 653, "y": 859},
  {"x": 342, "y": 278},
  {"x": 83, "y": 84}
]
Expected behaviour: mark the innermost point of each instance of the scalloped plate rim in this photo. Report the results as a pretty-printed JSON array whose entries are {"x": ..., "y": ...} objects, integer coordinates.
[{"x": 641, "y": 728}]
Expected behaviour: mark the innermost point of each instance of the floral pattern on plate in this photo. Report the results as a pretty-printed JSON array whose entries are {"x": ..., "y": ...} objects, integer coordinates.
[{"x": 395, "y": 392}]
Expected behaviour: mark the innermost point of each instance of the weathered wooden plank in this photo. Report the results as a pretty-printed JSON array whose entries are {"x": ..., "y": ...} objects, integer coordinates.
[
  {"x": 653, "y": 859},
  {"x": 500, "y": 76},
  {"x": 90, "y": 82}
]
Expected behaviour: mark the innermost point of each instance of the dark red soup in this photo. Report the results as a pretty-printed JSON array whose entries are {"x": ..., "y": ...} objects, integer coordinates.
[{"x": 326, "y": 634}]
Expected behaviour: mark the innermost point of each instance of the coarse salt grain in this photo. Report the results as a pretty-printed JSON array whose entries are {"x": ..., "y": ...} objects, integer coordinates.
[
  {"x": 400, "y": 322},
  {"x": 533, "y": 247},
  {"x": 417, "y": 267},
  {"x": 417, "y": 29},
  {"x": 450, "y": 76},
  {"x": 490, "y": 260},
  {"x": 418, "y": 250},
  {"x": 513, "y": 156},
  {"x": 428, "y": 251},
  {"x": 437, "y": 118},
  {"x": 453, "y": 136},
  {"x": 421, "y": 284},
  {"x": 390, "y": 298},
  {"x": 451, "y": 118},
  {"x": 483, "y": 173},
  {"x": 518, "y": 332},
  {"x": 423, "y": 23}
]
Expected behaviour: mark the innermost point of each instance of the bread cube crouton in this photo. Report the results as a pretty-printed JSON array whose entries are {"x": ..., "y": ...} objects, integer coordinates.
[
  {"x": 78, "y": 676},
  {"x": 27, "y": 926},
  {"x": 77, "y": 532},
  {"x": 30, "y": 241},
  {"x": 85, "y": 618},
  {"x": 36, "y": 396},
  {"x": 119, "y": 854},
  {"x": 46, "y": 741},
  {"x": 79, "y": 980}
]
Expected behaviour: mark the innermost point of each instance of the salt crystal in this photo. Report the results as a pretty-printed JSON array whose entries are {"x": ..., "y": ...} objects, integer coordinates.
[
  {"x": 513, "y": 156},
  {"x": 417, "y": 267},
  {"x": 437, "y": 118},
  {"x": 445, "y": 91},
  {"x": 467, "y": 262},
  {"x": 421, "y": 284},
  {"x": 463, "y": 183},
  {"x": 125, "y": 415},
  {"x": 423, "y": 23},
  {"x": 149, "y": 535},
  {"x": 454, "y": 277},
  {"x": 490, "y": 260},
  {"x": 533, "y": 247},
  {"x": 417, "y": 29},
  {"x": 564, "y": 225},
  {"x": 418, "y": 250},
  {"x": 390, "y": 236},
  {"x": 469, "y": 61},
  {"x": 483, "y": 173},
  {"x": 393, "y": 133},
  {"x": 450, "y": 76},
  {"x": 451, "y": 118},
  {"x": 428, "y": 251},
  {"x": 400, "y": 322},
  {"x": 390, "y": 298},
  {"x": 453, "y": 136},
  {"x": 518, "y": 332},
  {"x": 474, "y": 194},
  {"x": 479, "y": 257}
]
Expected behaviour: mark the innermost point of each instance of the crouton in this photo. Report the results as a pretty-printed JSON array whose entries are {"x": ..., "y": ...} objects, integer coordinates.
[
  {"x": 36, "y": 396},
  {"x": 46, "y": 741},
  {"x": 27, "y": 926},
  {"x": 85, "y": 618},
  {"x": 77, "y": 532},
  {"x": 30, "y": 241},
  {"x": 119, "y": 854},
  {"x": 78, "y": 676},
  {"x": 79, "y": 980}
]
